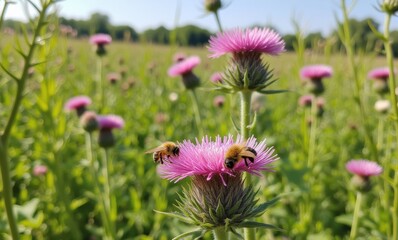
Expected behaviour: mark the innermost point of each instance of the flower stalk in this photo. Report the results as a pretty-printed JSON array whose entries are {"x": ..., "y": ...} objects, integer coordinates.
[
  {"x": 348, "y": 44},
  {"x": 220, "y": 234},
  {"x": 354, "y": 225},
  {"x": 195, "y": 104},
  {"x": 21, "y": 82}
]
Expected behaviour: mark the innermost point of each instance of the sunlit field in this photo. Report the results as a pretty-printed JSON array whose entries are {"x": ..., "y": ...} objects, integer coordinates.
[{"x": 68, "y": 198}]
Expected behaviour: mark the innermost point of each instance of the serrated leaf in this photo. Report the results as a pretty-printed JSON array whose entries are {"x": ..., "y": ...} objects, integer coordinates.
[
  {"x": 239, "y": 236},
  {"x": 176, "y": 215},
  {"x": 250, "y": 224}
]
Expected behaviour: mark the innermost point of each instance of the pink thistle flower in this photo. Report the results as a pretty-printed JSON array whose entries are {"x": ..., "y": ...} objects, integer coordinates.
[
  {"x": 216, "y": 77},
  {"x": 382, "y": 73},
  {"x": 113, "y": 77},
  {"x": 110, "y": 122},
  {"x": 100, "y": 39},
  {"x": 306, "y": 100},
  {"x": 219, "y": 101},
  {"x": 316, "y": 72},
  {"x": 178, "y": 57},
  {"x": 184, "y": 66},
  {"x": 78, "y": 103},
  {"x": 39, "y": 170},
  {"x": 364, "y": 168},
  {"x": 258, "y": 40},
  {"x": 206, "y": 158}
]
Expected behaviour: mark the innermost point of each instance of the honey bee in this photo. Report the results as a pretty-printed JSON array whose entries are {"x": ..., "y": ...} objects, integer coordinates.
[
  {"x": 164, "y": 152},
  {"x": 238, "y": 152}
]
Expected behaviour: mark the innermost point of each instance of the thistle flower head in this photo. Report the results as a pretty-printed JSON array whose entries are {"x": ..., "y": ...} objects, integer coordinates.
[
  {"x": 216, "y": 77},
  {"x": 219, "y": 101},
  {"x": 364, "y": 168},
  {"x": 184, "y": 69},
  {"x": 110, "y": 122},
  {"x": 389, "y": 6},
  {"x": 237, "y": 41},
  {"x": 382, "y": 73},
  {"x": 106, "y": 124},
  {"x": 39, "y": 170},
  {"x": 178, "y": 57},
  {"x": 184, "y": 66},
  {"x": 206, "y": 158},
  {"x": 306, "y": 100},
  {"x": 100, "y": 39},
  {"x": 113, "y": 77},
  {"x": 78, "y": 103},
  {"x": 316, "y": 72}
]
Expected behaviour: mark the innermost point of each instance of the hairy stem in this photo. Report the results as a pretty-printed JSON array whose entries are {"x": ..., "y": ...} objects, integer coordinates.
[{"x": 220, "y": 234}]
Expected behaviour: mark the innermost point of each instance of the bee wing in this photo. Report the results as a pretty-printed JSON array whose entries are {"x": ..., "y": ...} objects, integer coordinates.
[
  {"x": 247, "y": 153},
  {"x": 157, "y": 149}
]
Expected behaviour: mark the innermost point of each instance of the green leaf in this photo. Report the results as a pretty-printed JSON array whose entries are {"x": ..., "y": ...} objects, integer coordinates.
[
  {"x": 376, "y": 32},
  {"x": 345, "y": 219},
  {"x": 272, "y": 91},
  {"x": 249, "y": 224},
  {"x": 195, "y": 231},
  {"x": 176, "y": 215},
  {"x": 236, "y": 233},
  {"x": 76, "y": 203}
]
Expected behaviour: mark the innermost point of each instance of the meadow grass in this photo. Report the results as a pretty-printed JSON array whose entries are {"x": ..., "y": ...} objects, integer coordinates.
[{"x": 46, "y": 134}]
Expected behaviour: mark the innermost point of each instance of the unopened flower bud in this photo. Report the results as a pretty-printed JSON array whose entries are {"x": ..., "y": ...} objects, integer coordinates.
[
  {"x": 190, "y": 80},
  {"x": 389, "y": 6},
  {"x": 361, "y": 184},
  {"x": 89, "y": 121},
  {"x": 382, "y": 106},
  {"x": 213, "y": 5}
]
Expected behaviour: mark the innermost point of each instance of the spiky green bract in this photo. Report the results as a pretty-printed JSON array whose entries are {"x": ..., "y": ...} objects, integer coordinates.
[
  {"x": 246, "y": 72},
  {"x": 389, "y": 6},
  {"x": 210, "y": 204}
]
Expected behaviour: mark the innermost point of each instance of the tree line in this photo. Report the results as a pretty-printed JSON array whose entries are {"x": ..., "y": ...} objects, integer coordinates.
[{"x": 363, "y": 37}]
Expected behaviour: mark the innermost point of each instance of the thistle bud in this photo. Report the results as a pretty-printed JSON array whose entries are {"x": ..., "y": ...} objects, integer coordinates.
[
  {"x": 89, "y": 121},
  {"x": 389, "y": 6},
  {"x": 361, "y": 184},
  {"x": 213, "y": 5},
  {"x": 190, "y": 80}
]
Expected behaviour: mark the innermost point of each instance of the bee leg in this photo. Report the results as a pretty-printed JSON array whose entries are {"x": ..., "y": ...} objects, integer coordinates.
[
  {"x": 246, "y": 162},
  {"x": 168, "y": 158},
  {"x": 251, "y": 159},
  {"x": 161, "y": 158}
]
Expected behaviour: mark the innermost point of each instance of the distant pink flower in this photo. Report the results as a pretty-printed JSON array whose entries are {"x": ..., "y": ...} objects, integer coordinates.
[
  {"x": 110, "y": 122},
  {"x": 316, "y": 72},
  {"x": 100, "y": 39},
  {"x": 77, "y": 102},
  {"x": 257, "y": 40},
  {"x": 113, "y": 77},
  {"x": 39, "y": 170},
  {"x": 219, "y": 101},
  {"x": 206, "y": 158},
  {"x": 382, "y": 73},
  {"x": 183, "y": 67},
  {"x": 216, "y": 77},
  {"x": 364, "y": 168},
  {"x": 306, "y": 100},
  {"x": 178, "y": 57}
]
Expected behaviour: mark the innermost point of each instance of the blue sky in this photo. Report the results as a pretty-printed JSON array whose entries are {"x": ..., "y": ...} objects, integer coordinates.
[{"x": 312, "y": 15}]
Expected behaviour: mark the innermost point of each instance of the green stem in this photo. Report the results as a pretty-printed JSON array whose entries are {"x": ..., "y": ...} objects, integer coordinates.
[
  {"x": 101, "y": 88},
  {"x": 312, "y": 142},
  {"x": 93, "y": 171},
  {"x": 354, "y": 226},
  {"x": 357, "y": 94},
  {"x": 393, "y": 99},
  {"x": 196, "y": 110},
  {"x": 107, "y": 191},
  {"x": 245, "y": 101},
  {"x": 3, "y": 12},
  {"x": 220, "y": 234},
  {"x": 218, "y": 21},
  {"x": 7, "y": 191},
  {"x": 5, "y": 171}
]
